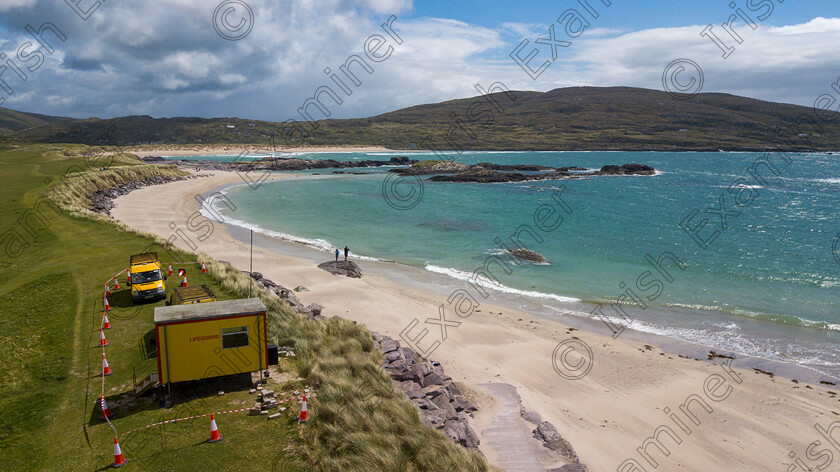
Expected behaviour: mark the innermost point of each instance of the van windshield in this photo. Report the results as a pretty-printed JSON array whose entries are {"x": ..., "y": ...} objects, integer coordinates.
[{"x": 146, "y": 277}]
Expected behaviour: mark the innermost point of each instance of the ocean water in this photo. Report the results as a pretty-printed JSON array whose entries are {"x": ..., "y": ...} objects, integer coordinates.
[{"x": 768, "y": 286}]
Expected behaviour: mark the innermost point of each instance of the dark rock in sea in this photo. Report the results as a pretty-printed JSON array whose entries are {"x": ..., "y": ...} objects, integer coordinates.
[
  {"x": 626, "y": 169},
  {"x": 485, "y": 173},
  {"x": 527, "y": 255},
  {"x": 345, "y": 268}
]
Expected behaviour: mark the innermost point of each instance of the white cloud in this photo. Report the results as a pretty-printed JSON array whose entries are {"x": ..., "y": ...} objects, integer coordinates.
[
  {"x": 168, "y": 60},
  {"x": 8, "y": 5}
]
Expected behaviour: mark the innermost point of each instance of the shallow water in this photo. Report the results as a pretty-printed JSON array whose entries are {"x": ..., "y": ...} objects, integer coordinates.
[{"x": 766, "y": 286}]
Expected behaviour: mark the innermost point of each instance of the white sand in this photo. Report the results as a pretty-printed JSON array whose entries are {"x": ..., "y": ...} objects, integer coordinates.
[{"x": 606, "y": 415}]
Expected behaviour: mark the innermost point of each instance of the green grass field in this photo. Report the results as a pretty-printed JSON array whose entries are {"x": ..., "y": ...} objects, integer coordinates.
[{"x": 53, "y": 266}]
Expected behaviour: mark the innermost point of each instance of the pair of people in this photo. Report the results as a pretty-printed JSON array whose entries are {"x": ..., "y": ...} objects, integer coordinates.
[{"x": 346, "y": 252}]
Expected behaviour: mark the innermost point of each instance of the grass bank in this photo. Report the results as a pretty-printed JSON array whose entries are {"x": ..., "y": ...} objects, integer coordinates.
[{"x": 55, "y": 260}]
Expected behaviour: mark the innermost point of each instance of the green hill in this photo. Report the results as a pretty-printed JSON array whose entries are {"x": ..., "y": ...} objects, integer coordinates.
[
  {"x": 576, "y": 118},
  {"x": 12, "y": 121}
]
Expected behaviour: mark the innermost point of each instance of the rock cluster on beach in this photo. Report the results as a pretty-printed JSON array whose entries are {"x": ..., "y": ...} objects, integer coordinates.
[
  {"x": 311, "y": 312},
  {"x": 345, "y": 268},
  {"x": 102, "y": 201},
  {"x": 441, "y": 403}
]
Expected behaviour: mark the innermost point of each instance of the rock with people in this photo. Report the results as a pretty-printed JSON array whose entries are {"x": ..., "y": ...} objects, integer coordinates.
[{"x": 345, "y": 267}]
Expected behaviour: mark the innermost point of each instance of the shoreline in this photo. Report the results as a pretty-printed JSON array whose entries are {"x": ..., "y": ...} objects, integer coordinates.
[
  {"x": 577, "y": 313},
  {"x": 502, "y": 344}
]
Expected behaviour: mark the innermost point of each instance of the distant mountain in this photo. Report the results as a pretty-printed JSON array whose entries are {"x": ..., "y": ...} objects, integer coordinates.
[
  {"x": 576, "y": 118},
  {"x": 12, "y": 121}
]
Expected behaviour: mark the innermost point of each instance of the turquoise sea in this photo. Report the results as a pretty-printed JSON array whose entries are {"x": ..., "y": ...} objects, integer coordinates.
[{"x": 768, "y": 286}]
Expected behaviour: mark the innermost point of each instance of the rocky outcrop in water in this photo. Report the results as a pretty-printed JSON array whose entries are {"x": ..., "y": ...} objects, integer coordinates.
[
  {"x": 626, "y": 169},
  {"x": 485, "y": 173},
  {"x": 527, "y": 255}
]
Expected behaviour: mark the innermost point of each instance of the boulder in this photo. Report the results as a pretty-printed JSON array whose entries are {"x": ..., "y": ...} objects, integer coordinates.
[
  {"x": 547, "y": 433},
  {"x": 411, "y": 390},
  {"x": 453, "y": 389},
  {"x": 392, "y": 356},
  {"x": 459, "y": 403},
  {"x": 461, "y": 432},
  {"x": 433, "y": 391},
  {"x": 531, "y": 417},
  {"x": 387, "y": 345},
  {"x": 301, "y": 288},
  {"x": 408, "y": 355},
  {"x": 345, "y": 268},
  {"x": 315, "y": 309},
  {"x": 432, "y": 378},
  {"x": 415, "y": 373}
]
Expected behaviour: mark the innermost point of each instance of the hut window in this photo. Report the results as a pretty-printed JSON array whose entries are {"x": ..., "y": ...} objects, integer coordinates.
[{"x": 234, "y": 337}]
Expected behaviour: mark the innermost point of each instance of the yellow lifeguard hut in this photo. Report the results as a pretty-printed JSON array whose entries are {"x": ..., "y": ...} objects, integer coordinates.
[{"x": 204, "y": 340}]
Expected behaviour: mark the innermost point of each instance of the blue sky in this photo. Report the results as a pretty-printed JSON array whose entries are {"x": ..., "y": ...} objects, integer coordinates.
[
  {"x": 622, "y": 14},
  {"x": 170, "y": 58}
]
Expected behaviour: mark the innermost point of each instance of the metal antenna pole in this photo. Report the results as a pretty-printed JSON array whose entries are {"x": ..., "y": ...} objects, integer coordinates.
[{"x": 251, "y": 272}]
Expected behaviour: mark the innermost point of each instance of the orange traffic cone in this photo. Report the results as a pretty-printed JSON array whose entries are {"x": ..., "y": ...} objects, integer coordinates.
[
  {"x": 105, "y": 369},
  {"x": 106, "y": 412},
  {"x": 170, "y": 269},
  {"x": 184, "y": 282},
  {"x": 107, "y": 290},
  {"x": 119, "y": 460},
  {"x": 203, "y": 269},
  {"x": 128, "y": 277},
  {"x": 102, "y": 341},
  {"x": 105, "y": 323},
  {"x": 214, "y": 431},
  {"x": 304, "y": 413},
  {"x": 107, "y": 305},
  {"x": 116, "y": 283}
]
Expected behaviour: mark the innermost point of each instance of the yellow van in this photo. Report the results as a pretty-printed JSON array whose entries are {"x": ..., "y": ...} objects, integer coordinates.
[{"x": 147, "y": 279}]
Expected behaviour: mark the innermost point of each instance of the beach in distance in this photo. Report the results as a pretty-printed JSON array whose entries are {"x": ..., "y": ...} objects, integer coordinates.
[{"x": 608, "y": 391}]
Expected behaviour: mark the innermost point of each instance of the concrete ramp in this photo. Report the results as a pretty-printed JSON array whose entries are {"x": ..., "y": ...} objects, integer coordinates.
[{"x": 509, "y": 436}]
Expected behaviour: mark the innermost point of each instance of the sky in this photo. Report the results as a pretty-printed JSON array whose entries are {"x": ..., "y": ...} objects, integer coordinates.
[{"x": 262, "y": 59}]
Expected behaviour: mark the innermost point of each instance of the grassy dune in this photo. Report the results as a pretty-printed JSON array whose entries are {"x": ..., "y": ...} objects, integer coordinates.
[{"x": 54, "y": 261}]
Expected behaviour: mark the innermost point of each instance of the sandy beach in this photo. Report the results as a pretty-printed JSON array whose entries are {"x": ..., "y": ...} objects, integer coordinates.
[
  {"x": 233, "y": 149},
  {"x": 705, "y": 415}
]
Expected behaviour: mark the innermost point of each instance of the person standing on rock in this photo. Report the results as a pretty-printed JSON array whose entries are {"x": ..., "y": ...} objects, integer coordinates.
[
  {"x": 336, "y": 254},
  {"x": 346, "y": 251}
]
